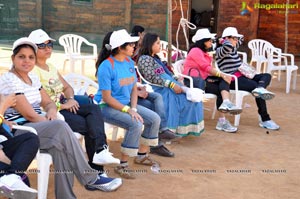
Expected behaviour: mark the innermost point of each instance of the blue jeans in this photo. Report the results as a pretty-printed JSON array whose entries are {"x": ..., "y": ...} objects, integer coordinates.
[
  {"x": 135, "y": 134},
  {"x": 155, "y": 102}
]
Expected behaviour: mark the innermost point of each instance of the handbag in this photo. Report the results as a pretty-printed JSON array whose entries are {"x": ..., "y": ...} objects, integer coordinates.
[
  {"x": 247, "y": 70},
  {"x": 198, "y": 82},
  {"x": 194, "y": 94}
]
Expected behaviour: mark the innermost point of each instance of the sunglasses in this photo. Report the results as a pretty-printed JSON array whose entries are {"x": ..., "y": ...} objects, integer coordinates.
[{"x": 43, "y": 45}]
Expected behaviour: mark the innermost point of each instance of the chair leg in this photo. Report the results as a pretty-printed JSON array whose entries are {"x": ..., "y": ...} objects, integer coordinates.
[
  {"x": 294, "y": 79},
  {"x": 288, "y": 80},
  {"x": 72, "y": 65},
  {"x": 82, "y": 67},
  {"x": 44, "y": 162}
]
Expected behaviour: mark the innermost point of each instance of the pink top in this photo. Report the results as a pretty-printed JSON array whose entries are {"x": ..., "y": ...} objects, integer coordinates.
[{"x": 200, "y": 60}]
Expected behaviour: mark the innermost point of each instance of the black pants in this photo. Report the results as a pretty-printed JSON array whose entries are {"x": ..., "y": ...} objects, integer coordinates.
[
  {"x": 21, "y": 150},
  {"x": 245, "y": 84},
  {"x": 259, "y": 80},
  {"x": 89, "y": 122},
  {"x": 216, "y": 88}
]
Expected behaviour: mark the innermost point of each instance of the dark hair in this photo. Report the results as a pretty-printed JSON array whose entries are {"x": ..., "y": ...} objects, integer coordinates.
[
  {"x": 106, "y": 51},
  {"x": 17, "y": 49},
  {"x": 136, "y": 29},
  {"x": 200, "y": 44},
  {"x": 147, "y": 43}
]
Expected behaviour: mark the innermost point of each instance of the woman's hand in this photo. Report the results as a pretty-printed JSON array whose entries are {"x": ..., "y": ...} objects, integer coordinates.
[
  {"x": 135, "y": 116},
  {"x": 177, "y": 89},
  {"x": 71, "y": 105},
  {"x": 227, "y": 78},
  {"x": 141, "y": 91},
  {"x": 9, "y": 123},
  {"x": 8, "y": 100},
  {"x": 51, "y": 114}
]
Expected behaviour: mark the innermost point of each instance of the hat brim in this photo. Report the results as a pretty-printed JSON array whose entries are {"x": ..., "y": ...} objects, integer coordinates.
[
  {"x": 210, "y": 36},
  {"x": 33, "y": 45}
]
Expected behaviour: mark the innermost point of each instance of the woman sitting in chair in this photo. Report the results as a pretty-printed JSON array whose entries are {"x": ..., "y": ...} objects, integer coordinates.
[
  {"x": 117, "y": 95},
  {"x": 82, "y": 118},
  {"x": 15, "y": 156},
  {"x": 56, "y": 137},
  {"x": 229, "y": 61},
  {"x": 198, "y": 65},
  {"x": 183, "y": 117}
]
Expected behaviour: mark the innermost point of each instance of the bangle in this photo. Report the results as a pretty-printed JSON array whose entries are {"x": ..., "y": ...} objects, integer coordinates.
[
  {"x": 58, "y": 106},
  {"x": 1, "y": 117},
  {"x": 1, "y": 120},
  {"x": 134, "y": 109},
  {"x": 125, "y": 109},
  {"x": 218, "y": 74},
  {"x": 172, "y": 85}
]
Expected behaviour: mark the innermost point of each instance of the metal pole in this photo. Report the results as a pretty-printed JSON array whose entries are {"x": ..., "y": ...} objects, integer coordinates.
[{"x": 169, "y": 31}]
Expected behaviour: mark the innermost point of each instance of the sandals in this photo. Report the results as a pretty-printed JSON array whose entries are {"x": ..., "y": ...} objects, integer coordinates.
[{"x": 145, "y": 161}]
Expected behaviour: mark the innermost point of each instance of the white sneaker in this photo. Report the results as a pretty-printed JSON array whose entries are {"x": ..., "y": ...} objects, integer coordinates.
[
  {"x": 226, "y": 126},
  {"x": 105, "y": 157},
  {"x": 12, "y": 186},
  {"x": 270, "y": 124},
  {"x": 263, "y": 93},
  {"x": 228, "y": 106}
]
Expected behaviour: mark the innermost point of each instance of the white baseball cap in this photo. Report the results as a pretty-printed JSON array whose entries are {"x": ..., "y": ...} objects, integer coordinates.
[
  {"x": 203, "y": 34},
  {"x": 39, "y": 36},
  {"x": 231, "y": 31},
  {"x": 22, "y": 41},
  {"x": 120, "y": 37}
]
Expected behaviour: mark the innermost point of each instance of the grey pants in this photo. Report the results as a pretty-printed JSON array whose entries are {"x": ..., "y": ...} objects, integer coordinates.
[{"x": 57, "y": 139}]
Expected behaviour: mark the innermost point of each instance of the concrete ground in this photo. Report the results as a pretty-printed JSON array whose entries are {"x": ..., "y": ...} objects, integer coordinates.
[{"x": 254, "y": 163}]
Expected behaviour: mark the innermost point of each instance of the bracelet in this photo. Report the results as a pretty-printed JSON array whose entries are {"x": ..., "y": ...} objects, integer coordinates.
[
  {"x": 172, "y": 85},
  {"x": 1, "y": 117},
  {"x": 58, "y": 106},
  {"x": 125, "y": 109},
  {"x": 134, "y": 109},
  {"x": 218, "y": 74}
]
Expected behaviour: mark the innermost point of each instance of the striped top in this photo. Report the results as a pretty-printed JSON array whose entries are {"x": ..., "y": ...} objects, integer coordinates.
[
  {"x": 10, "y": 83},
  {"x": 227, "y": 57}
]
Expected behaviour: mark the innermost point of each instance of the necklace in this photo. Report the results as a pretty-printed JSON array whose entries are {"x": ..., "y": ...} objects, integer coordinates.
[{"x": 20, "y": 76}]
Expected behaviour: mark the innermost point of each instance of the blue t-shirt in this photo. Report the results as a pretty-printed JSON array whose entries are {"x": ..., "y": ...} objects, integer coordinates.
[{"x": 119, "y": 78}]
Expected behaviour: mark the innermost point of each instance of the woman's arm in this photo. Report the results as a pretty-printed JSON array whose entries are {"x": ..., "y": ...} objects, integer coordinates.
[
  {"x": 48, "y": 105},
  {"x": 72, "y": 105},
  {"x": 152, "y": 71},
  {"x": 26, "y": 110}
]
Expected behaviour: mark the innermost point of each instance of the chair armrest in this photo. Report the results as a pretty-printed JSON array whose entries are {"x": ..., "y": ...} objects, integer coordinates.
[
  {"x": 92, "y": 45},
  {"x": 291, "y": 56}
]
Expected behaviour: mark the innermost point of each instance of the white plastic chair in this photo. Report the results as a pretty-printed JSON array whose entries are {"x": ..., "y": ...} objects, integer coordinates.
[
  {"x": 44, "y": 160},
  {"x": 163, "y": 54},
  {"x": 178, "y": 68},
  {"x": 285, "y": 62},
  {"x": 80, "y": 85},
  {"x": 257, "y": 47},
  {"x": 72, "y": 45}
]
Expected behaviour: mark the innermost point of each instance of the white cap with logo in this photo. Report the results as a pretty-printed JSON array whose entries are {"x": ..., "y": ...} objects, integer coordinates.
[
  {"x": 120, "y": 37},
  {"x": 22, "y": 41},
  {"x": 203, "y": 34},
  {"x": 231, "y": 31},
  {"x": 39, "y": 36}
]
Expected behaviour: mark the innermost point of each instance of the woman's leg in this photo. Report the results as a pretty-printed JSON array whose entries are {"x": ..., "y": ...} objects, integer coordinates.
[
  {"x": 130, "y": 144},
  {"x": 18, "y": 151},
  {"x": 57, "y": 138},
  {"x": 151, "y": 128}
]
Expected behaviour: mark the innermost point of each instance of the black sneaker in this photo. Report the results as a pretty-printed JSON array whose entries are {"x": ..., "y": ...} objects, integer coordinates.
[
  {"x": 167, "y": 135},
  {"x": 161, "y": 150}
]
